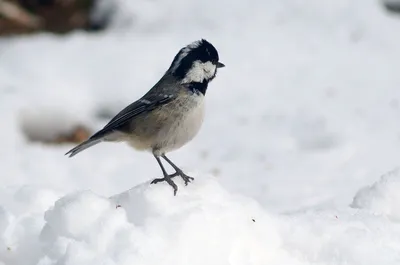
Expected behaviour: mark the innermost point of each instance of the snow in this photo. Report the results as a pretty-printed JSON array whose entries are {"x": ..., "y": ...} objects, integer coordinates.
[
  {"x": 150, "y": 227},
  {"x": 301, "y": 127},
  {"x": 382, "y": 197},
  {"x": 204, "y": 223}
]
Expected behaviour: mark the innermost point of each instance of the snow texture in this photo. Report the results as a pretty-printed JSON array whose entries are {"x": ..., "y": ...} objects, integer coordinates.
[
  {"x": 382, "y": 197},
  {"x": 299, "y": 128},
  {"x": 150, "y": 226}
]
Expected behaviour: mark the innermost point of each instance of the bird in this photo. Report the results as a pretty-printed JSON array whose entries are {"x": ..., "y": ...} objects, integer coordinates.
[{"x": 170, "y": 114}]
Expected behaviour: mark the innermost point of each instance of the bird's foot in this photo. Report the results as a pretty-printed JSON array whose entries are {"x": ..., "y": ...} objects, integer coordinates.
[
  {"x": 168, "y": 179},
  {"x": 185, "y": 177}
]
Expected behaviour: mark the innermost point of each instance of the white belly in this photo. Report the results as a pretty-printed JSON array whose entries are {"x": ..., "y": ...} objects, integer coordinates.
[{"x": 183, "y": 129}]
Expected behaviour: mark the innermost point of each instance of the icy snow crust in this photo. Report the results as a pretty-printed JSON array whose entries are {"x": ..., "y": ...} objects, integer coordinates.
[{"x": 296, "y": 162}]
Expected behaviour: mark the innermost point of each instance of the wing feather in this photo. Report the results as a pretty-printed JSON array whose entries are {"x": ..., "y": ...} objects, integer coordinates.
[{"x": 136, "y": 108}]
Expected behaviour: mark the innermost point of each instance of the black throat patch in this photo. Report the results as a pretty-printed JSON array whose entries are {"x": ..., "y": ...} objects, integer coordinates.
[{"x": 198, "y": 87}]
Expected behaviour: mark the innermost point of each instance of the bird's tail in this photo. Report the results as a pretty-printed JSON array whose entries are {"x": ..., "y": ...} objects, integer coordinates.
[{"x": 86, "y": 144}]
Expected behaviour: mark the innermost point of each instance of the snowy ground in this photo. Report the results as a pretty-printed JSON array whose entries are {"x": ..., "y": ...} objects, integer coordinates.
[{"x": 297, "y": 162}]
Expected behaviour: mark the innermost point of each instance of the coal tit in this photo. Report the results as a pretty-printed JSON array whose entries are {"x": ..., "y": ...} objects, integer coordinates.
[{"x": 170, "y": 114}]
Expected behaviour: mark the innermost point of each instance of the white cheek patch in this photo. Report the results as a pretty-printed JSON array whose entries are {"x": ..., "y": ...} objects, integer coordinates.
[{"x": 199, "y": 72}]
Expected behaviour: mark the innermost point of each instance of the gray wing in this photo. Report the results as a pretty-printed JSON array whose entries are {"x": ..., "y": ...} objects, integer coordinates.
[{"x": 145, "y": 104}]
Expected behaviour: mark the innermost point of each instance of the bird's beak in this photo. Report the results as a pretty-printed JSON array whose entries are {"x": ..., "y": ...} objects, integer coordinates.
[{"x": 220, "y": 65}]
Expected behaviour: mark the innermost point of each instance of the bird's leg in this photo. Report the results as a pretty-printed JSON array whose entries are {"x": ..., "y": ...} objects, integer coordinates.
[
  {"x": 179, "y": 171},
  {"x": 166, "y": 178}
]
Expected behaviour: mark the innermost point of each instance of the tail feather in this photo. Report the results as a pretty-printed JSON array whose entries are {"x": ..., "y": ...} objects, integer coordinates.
[{"x": 83, "y": 146}]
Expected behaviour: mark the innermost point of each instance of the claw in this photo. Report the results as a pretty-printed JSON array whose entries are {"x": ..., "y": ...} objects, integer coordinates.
[
  {"x": 173, "y": 185},
  {"x": 168, "y": 179},
  {"x": 185, "y": 177},
  {"x": 155, "y": 181}
]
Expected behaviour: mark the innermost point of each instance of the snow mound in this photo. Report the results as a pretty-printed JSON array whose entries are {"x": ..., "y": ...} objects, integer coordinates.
[
  {"x": 203, "y": 224},
  {"x": 21, "y": 220},
  {"x": 383, "y": 197}
]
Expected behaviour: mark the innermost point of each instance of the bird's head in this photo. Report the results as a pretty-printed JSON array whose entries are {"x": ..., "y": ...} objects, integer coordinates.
[{"x": 197, "y": 62}]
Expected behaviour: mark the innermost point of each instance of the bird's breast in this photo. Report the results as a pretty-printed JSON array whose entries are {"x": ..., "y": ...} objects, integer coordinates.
[{"x": 187, "y": 116}]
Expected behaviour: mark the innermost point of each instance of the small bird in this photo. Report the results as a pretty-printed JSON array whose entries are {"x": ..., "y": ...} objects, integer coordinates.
[{"x": 170, "y": 114}]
